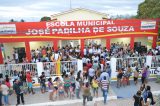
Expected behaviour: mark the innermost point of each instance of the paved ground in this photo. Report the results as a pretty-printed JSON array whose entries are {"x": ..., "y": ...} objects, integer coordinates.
[{"x": 125, "y": 93}]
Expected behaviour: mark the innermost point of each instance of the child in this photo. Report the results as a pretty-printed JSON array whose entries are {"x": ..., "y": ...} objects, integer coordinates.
[
  {"x": 55, "y": 84},
  {"x": 50, "y": 88},
  {"x": 136, "y": 74},
  {"x": 124, "y": 80},
  {"x": 61, "y": 91},
  {"x": 71, "y": 92}
]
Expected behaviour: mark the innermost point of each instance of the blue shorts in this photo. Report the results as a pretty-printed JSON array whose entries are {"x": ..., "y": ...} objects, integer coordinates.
[
  {"x": 61, "y": 92},
  {"x": 42, "y": 86},
  {"x": 30, "y": 85}
]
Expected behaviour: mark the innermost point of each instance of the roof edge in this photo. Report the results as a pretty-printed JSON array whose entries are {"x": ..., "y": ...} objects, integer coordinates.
[{"x": 76, "y": 9}]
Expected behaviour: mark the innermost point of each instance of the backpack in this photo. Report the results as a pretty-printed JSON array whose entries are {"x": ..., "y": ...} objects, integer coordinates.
[{"x": 145, "y": 95}]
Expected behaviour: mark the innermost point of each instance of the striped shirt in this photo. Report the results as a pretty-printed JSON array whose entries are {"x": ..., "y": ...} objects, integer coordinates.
[{"x": 104, "y": 84}]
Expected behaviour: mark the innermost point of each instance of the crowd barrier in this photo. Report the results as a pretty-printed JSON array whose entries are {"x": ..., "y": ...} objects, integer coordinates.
[
  {"x": 9, "y": 69},
  {"x": 54, "y": 68},
  {"x": 152, "y": 61},
  {"x": 130, "y": 61},
  {"x": 141, "y": 61},
  {"x": 57, "y": 68},
  {"x": 155, "y": 61}
]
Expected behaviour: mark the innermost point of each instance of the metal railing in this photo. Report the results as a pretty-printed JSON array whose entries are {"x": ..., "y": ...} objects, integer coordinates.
[
  {"x": 10, "y": 69},
  {"x": 49, "y": 68},
  {"x": 130, "y": 61},
  {"x": 64, "y": 66},
  {"x": 155, "y": 61}
]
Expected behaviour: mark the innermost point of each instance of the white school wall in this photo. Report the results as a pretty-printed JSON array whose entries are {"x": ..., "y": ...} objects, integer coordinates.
[
  {"x": 124, "y": 40},
  {"x": 79, "y": 15},
  {"x": 8, "y": 48},
  {"x": 36, "y": 45}
]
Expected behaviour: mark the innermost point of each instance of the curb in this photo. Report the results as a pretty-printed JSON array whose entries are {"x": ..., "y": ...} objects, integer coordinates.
[{"x": 67, "y": 102}]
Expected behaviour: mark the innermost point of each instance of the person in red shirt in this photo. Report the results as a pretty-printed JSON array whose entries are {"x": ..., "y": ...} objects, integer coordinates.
[
  {"x": 29, "y": 82},
  {"x": 44, "y": 52},
  {"x": 89, "y": 65}
]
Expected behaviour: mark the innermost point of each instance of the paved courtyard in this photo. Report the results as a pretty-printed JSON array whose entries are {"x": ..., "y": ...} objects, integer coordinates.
[{"x": 124, "y": 95}]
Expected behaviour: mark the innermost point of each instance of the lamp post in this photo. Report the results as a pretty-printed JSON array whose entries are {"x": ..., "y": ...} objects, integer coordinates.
[{"x": 70, "y": 4}]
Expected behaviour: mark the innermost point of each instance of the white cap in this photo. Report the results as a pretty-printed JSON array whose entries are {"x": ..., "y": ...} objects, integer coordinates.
[{"x": 27, "y": 71}]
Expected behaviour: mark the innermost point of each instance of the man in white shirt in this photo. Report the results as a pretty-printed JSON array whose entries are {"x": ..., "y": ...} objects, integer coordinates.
[
  {"x": 99, "y": 51},
  {"x": 37, "y": 51},
  {"x": 77, "y": 88},
  {"x": 85, "y": 51},
  {"x": 90, "y": 50},
  {"x": 91, "y": 74},
  {"x": 16, "y": 57},
  {"x": 84, "y": 60},
  {"x": 56, "y": 56},
  {"x": 104, "y": 73}
]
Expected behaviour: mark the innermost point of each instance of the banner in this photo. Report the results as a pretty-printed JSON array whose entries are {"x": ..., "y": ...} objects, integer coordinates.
[
  {"x": 77, "y": 28},
  {"x": 7, "y": 29},
  {"x": 145, "y": 25}
]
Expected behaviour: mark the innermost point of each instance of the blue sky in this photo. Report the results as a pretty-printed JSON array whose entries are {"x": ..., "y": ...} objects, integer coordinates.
[{"x": 33, "y": 10}]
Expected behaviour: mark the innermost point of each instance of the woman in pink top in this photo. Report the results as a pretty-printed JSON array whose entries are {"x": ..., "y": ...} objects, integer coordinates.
[
  {"x": 50, "y": 88},
  {"x": 7, "y": 82}
]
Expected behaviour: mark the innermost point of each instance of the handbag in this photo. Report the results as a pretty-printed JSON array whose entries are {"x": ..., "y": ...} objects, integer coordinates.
[
  {"x": 90, "y": 98},
  {"x": 10, "y": 92}
]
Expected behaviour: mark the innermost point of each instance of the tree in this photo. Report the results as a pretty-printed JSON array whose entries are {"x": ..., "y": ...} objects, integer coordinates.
[
  {"x": 149, "y": 9},
  {"x": 12, "y": 20},
  {"x": 22, "y": 20},
  {"x": 45, "y": 18}
]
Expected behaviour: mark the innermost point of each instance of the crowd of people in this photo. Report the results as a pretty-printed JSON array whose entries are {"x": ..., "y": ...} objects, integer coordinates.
[
  {"x": 96, "y": 73},
  {"x": 68, "y": 52},
  {"x": 144, "y": 96},
  {"x": 86, "y": 84},
  {"x": 118, "y": 50},
  {"x": 70, "y": 85},
  {"x": 21, "y": 81},
  {"x": 92, "y": 77}
]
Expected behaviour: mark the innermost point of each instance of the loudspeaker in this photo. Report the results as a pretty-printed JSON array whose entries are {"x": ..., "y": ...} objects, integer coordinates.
[
  {"x": 1, "y": 75},
  {"x": 137, "y": 44},
  {"x": 143, "y": 49},
  {"x": 21, "y": 53}
]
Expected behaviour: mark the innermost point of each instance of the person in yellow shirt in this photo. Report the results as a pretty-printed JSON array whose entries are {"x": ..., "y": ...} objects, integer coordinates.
[{"x": 95, "y": 86}]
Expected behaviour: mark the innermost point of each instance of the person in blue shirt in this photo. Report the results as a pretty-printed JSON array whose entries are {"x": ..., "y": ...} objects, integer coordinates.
[{"x": 17, "y": 87}]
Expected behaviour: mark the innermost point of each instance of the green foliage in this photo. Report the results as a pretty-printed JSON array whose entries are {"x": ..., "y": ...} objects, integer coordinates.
[
  {"x": 45, "y": 18},
  {"x": 149, "y": 9},
  {"x": 12, "y": 20},
  {"x": 22, "y": 20}
]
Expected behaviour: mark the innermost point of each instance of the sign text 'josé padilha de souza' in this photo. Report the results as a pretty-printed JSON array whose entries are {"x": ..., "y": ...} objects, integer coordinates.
[
  {"x": 77, "y": 28},
  {"x": 72, "y": 27}
]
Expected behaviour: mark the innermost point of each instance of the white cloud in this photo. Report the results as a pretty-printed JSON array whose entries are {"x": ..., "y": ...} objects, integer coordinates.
[
  {"x": 39, "y": 8},
  {"x": 42, "y": 5},
  {"x": 18, "y": 13},
  {"x": 113, "y": 12}
]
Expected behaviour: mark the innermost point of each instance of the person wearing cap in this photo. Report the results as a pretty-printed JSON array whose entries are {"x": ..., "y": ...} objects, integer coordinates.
[
  {"x": 17, "y": 87},
  {"x": 42, "y": 82},
  {"x": 91, "y": 73},
  {"x": 29, "y": 82}
]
